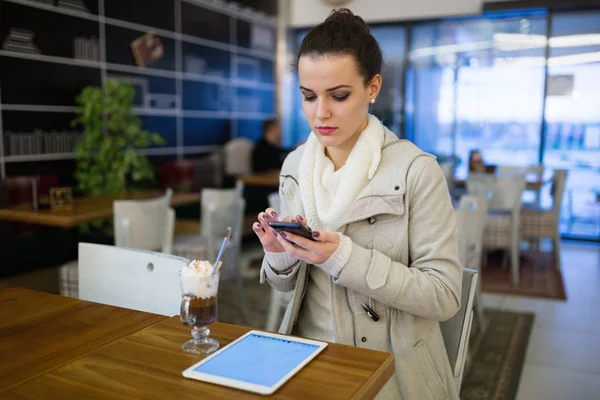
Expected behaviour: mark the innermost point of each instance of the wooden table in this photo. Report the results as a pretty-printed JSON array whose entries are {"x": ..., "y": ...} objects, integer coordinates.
[
  {"x": 40, "y": 331},
  {"x": 148, "y": 363},
  {"x": 270, "y": 178},
  {"x": 85, "y": 209}
]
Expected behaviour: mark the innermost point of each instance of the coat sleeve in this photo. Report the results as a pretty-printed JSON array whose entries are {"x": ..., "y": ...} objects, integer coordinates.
[
  {"x": 430, "y": 286},
  {"x": 284, "y": 281}
]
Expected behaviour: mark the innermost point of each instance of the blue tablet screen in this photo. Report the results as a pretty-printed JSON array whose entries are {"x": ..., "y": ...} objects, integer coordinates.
[{"x": 257, "y": 359}]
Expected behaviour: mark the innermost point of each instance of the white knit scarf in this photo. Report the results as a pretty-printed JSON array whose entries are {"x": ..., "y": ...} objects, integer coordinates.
[{"x": 327, "y": 194}]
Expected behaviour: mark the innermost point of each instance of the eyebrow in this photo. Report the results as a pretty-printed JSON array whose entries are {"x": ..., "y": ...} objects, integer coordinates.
[{"x": 328, "y": 90}]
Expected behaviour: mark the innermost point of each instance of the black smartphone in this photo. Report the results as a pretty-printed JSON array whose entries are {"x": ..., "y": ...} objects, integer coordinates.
[{"x": 293, "y": 227}]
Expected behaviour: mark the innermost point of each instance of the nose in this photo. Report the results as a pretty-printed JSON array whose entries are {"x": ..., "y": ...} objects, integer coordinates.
[{"x": 323, "y": 112}]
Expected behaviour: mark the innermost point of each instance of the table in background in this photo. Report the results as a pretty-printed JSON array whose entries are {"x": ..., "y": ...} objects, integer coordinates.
[
  {"x": 270, "y": 178},
  {"x": 86, "y": 209},
  {"x": 148, "y": 364},
  {"x": 41, "y": 331}
]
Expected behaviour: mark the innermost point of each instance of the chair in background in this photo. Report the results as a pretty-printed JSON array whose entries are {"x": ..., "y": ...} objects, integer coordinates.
[
  {"x": 238, "y": 157},
  {"x": 220, "y": 209},
  {"x": 475, "y": 247},
  {"x": 532, "y": 173},
  {"x": 145, "y": 224},
  {"x": 504, "y": 213},
  {"x": 193, "y": 175},
  {"x": 135, "y": 279},
  {"x": 456, "y": 330},
  {"x": 139, "y": 224},
  {"x": 541, "y": 223},
  {"x": 464, "y": 221}
]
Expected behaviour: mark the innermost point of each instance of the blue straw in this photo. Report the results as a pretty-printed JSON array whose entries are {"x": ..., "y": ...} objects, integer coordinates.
[{"x": 221, "y": 250}]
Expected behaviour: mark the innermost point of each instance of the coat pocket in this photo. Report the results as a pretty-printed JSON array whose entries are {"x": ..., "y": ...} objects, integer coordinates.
[
  {"x": 377, "y": 274},
  {"x": 432, "y": 381}
]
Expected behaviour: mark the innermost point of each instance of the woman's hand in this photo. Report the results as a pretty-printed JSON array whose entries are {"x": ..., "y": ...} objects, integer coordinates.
[
  {"x": 266, "y": 235},
  {"x": 312, "y": 252}
]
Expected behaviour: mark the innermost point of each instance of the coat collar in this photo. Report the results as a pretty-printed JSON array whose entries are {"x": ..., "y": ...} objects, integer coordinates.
[{"x": 386, "y": 192}]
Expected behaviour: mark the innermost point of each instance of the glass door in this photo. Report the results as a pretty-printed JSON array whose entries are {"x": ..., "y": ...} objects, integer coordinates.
[
  {"x": 478, "y": 84},
  {"x": 572, "y": 131}
]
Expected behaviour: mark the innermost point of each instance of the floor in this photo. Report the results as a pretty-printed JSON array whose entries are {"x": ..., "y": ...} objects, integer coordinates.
[{"x": 563, "y": 357}]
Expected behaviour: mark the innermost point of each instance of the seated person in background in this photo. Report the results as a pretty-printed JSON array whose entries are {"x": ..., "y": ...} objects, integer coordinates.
[
  {"x": 267, "y": 154},
  {"x": 476, "y": 162}
]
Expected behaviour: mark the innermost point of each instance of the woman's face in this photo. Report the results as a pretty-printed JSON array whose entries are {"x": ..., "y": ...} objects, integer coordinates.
[{"x": 335, "y": 99}]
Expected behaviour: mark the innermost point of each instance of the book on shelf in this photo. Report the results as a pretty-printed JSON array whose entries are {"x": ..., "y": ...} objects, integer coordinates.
[{"x": 147, "y": 49}]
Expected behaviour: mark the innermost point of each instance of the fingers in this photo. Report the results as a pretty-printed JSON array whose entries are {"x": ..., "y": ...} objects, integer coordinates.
[
  {"x": 290, "y": 248},
  {"x": 326, "y": 237},
  {"x": 259, "y": 230},
  {"x": 298, "y": 240}
]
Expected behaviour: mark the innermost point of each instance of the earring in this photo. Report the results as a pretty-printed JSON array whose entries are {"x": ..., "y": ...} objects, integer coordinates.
[{"x": 372, "y": 101}]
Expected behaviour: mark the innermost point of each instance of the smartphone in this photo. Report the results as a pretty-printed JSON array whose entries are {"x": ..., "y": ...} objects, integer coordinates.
[{"x": 293, "y": 227}]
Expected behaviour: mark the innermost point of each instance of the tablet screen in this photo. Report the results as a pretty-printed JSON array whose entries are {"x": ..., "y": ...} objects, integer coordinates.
[{"x": 257, "y": 359}]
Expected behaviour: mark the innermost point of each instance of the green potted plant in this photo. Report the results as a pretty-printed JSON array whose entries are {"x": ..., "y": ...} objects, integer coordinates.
[{"x": 108, "y": 160}]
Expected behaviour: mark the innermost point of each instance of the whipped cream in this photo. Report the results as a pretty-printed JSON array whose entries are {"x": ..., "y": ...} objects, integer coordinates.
[{"x": 196, "y": 279}]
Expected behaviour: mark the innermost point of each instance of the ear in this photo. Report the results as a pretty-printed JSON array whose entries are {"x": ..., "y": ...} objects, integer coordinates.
[{"x": 374, "y": 86}]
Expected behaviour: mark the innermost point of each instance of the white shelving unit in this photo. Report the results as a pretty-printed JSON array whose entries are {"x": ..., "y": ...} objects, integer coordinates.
[{"x": 107, "y": 69}]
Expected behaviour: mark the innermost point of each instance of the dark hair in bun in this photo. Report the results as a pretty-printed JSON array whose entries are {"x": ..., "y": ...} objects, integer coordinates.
[{"x": 344, "y": 33}]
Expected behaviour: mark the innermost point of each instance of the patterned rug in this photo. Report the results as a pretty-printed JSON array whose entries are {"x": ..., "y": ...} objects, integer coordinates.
[
  {"x": 497, "y": 357},
  {"x": 539, "y": 276}
]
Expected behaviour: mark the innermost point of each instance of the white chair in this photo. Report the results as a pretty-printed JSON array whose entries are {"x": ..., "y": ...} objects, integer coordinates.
[
  {"x": 135, "y": 279},
  {"x": 238, "y": 157},
  {"x": 475, "y": 250},
  {"x": 541, "y": 223},
  {"x": 140, "y": 224},
  {"x": 220, "y": 209},
  {"x": 279, "y": 300},
  {"x": 464, "y": 220},
  {"x": 456, "y": 330},
  {"x": 145, "y": 224},
  {"x": 504, "y": 213}
]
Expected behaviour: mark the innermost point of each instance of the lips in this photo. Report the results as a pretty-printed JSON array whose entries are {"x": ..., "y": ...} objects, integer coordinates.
[{"x": 326, "y": 130}]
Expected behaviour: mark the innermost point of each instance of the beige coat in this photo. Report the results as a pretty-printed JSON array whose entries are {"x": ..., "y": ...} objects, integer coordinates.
[{"x": 404, "y": 263}]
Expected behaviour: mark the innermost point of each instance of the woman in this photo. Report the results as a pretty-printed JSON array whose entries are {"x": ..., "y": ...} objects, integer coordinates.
[
  {"x": 383, "y": 269},
  {"x": 476, "y": 161}
]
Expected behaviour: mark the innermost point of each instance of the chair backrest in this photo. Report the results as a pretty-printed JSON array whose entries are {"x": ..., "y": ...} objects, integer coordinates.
[
  {"x": 558, "y": 189},
  {"x": 136, "y": 279},
  {"x": 464, "y": 222},
  {"x": 508, "y": 192},
  {"x": 477, "y": 231},
  {"x": 275, "y": 201},
  {"x": 457, "y": 329},
  {"x": 481, "y": 184},
  {"x": 145, "y": 224},
  {"x": 220, "y": 209},
  {"x": 504, "y": 170},
  {"x": 238, "y": 157}
]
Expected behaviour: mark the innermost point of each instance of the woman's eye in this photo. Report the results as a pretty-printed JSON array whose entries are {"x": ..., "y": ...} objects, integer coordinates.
[
  {"x": 309, "y": 98},
  {"x": 341, "y": 98}
]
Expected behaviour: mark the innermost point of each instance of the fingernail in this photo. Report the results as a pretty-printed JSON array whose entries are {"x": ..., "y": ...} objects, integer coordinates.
[
  {"x": 300, "y": 218},
  {"x": 257, "y": 225},
  {"x": 265, "y": 217},
  {"x": 275, "y": 233},
  {"x": 274, "y": 214},
  {"x": 294, "y": 221},
  {"x": 283, "y": 235},
  {"x": 315, "y": 234}
]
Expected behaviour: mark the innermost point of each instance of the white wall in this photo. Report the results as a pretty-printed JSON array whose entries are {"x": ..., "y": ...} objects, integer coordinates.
[{"x": 304, "y": 13}]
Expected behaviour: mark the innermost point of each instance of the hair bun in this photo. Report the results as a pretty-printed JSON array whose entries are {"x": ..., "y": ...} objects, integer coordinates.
[{"x": 347, "y": 17}]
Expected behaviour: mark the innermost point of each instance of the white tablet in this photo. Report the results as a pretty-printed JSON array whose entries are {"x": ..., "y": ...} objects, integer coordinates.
[{"x": 258, "y": 362}]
